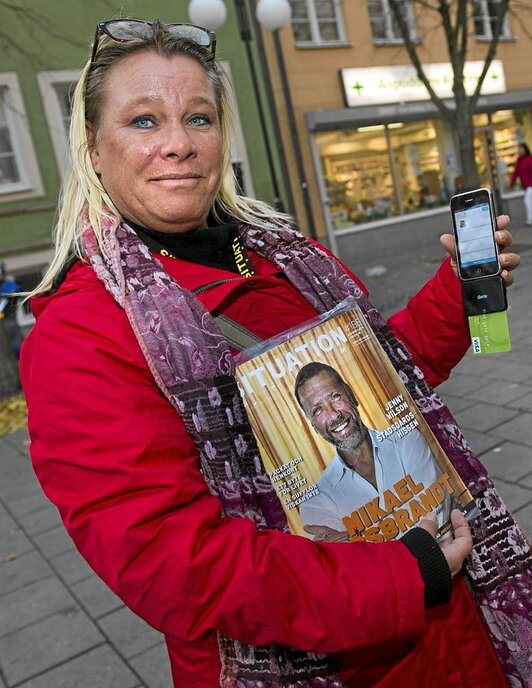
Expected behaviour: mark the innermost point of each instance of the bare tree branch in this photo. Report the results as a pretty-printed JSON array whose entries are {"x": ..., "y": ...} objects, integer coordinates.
[
  {"x": 39, "y": 29},
  {"x": 33, "y": 19},
  {"x": 516, "y": 16},
  {"x": 397, "y": 8},
  {"x": 502, "y": 9},
  {"x": 462, "y": 22}
]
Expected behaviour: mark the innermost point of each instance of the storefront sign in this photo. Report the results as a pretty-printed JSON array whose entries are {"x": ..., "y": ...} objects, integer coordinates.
[{"x": 397, "y": 84}]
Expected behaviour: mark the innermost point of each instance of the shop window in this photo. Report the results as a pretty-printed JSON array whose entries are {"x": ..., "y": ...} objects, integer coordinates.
[
  {"x": 384, "y": 25},
  {"x": 358, "y": 175},
  {"x": 503, "y": 132},
  {"x": 317, "y": 22},
  {"x": 417, "y": 157},
  {"x": 377, "y": 172},
  {"x": 19, "y": 175},
  {"x": 57, "y": 89},
  {"x": 486, "y": 19}
]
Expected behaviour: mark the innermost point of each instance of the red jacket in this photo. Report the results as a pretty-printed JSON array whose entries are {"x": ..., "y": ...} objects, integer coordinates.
[
  {"x": 523, "y": 171},
  {"x": 115, "y": 458}
]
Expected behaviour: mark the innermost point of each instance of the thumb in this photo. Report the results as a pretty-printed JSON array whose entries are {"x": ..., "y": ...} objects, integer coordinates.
[
  {"x": 313, "y": 530},
  {"x": 430, "y": 524},
  {"x": 448, "y": 243}
]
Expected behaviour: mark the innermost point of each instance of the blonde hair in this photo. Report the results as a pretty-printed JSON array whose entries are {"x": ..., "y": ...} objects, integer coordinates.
[{"x": 83, "y": 190}]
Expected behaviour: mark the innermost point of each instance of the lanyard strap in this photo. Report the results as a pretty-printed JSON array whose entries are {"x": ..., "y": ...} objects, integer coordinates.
[{"x": 237, "y": 336}]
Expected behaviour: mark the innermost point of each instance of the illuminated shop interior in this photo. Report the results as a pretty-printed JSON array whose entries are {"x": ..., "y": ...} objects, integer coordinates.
[{"x": 376, "y": 172}]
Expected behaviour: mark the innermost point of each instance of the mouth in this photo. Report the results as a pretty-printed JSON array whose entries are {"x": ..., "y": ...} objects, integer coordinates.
[
  {"x": 176, "y": 177},
  {"x": 340, "y": 428}
]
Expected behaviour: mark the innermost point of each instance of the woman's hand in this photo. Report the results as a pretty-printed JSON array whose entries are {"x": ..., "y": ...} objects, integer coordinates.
[
  {"x": 455, "y": 547},
  {"x": 509, "y": 261}
]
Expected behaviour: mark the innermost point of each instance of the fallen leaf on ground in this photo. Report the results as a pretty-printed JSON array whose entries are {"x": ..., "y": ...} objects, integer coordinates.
[{"x": 13, "y": 414}]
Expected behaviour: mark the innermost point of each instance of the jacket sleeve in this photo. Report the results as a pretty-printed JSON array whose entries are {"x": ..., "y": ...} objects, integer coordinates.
[
  {"x": 115, "y": 458},
  {"x": 433, "y": 326}
]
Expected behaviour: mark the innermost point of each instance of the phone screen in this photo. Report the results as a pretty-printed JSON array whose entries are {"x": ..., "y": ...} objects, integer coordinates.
[{"x": 477, "y": 253}]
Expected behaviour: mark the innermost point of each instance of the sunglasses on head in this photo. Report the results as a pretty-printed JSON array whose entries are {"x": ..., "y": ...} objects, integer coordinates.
[{"x": 124, "y": 30}]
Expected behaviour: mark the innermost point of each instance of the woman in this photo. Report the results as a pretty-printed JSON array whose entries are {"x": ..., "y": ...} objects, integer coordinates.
[
  {"x": 523, "y": 172},
  {"x": 138, "y": 434}
]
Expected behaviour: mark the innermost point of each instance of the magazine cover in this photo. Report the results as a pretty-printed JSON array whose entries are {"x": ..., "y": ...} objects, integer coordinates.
[{"x": 347, "y": 450}]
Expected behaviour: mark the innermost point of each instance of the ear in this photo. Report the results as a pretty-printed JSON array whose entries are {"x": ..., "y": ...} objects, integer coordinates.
[{"x": 93, "y": 148}]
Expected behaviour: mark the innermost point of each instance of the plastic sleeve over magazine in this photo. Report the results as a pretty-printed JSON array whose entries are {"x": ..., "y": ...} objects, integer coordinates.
[{"x": 320, "y": 397}]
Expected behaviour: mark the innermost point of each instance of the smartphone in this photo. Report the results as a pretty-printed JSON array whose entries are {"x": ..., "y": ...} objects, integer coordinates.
[{"x": 474, "y": 225}]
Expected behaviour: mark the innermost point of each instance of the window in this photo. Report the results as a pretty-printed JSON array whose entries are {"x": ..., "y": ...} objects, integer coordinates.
[
  {"x": 317, "y": 22},
  {"x": 9, "y": 169},
  {"x": 358, "y": 175},
  {"x": 19, "y": 175},
  {"x": 418, "y": 164},
  {"x": 485, "y": 18},
  {"x": 56, "y": 90},
  {"x": 377, "y": 172},
  {"x": 384, "y": 26}
]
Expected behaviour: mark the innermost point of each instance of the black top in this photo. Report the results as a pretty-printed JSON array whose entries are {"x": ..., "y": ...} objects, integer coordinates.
[{"x": 216, "y": 247}]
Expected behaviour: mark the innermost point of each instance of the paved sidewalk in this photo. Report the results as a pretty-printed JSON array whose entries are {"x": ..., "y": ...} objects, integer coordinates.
[{"x": 62, "y": 628}]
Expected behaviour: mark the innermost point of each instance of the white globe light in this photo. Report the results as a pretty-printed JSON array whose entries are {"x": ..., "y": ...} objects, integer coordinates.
[
  {"x": 273, "y": 14},
  {"x": 208, "y": 13}
]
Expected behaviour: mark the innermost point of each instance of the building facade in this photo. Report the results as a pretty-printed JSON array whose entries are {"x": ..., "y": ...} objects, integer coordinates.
[{"x": 375, "y": 148}]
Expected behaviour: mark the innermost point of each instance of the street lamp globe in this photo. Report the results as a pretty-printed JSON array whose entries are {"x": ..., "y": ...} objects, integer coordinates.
[
  {"x": 208, "y": 13},
  {"x": 273, "y": 14}
]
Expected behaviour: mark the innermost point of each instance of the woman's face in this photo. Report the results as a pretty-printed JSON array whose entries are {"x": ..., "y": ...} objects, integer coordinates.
[{"x": 158, "y": 147}]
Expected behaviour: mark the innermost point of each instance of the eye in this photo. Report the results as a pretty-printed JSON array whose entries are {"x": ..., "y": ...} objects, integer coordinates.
[
  {"x": 316, "y": 411},
  {"x": 143, "y": 122},
  {"x": 335, "y": 396},
  {"x": 200, "y": 120}
]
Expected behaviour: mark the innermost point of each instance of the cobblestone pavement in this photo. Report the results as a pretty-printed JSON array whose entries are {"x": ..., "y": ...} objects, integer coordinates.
[{"x": 63, "y": 628}]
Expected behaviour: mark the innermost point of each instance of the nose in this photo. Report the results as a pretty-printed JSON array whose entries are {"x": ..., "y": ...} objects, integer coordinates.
[
  {"x": 177, "y": 141},
  {"x": 332, "y": 412}
]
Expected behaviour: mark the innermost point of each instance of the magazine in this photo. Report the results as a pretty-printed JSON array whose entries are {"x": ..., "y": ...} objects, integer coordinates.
[{"x": 345, "y": 446}]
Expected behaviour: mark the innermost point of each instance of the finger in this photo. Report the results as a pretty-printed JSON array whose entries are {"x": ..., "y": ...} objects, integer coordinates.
[
  {"x": 313, "y": 530},
  {"x": 455, "y": 551},
  {"x": 507, "y": 277},
  {"x": 508, "y": 261},
  {"x": 502, "y": 221},
  {"x": 461, "y": 529},
  {"x": 430, "y": 524},
  {"x": 504, "y": 239},
  {"x": 449, "y": 244}
]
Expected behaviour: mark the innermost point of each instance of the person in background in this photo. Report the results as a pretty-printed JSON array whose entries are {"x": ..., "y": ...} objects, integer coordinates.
[
  {"x": 138, "y": 431},
  {"x": 8, "y": 310},
  {"x": 523, "y": 172}
]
